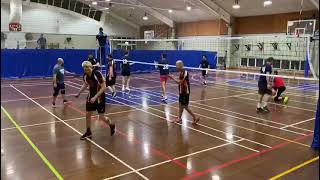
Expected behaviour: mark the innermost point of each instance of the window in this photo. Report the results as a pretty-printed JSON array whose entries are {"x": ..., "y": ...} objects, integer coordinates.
[
  {"x": 91, "y": 13},
  {"x": 295, "y": 65},
  {"x": 244, "y": 61},
  {"x": 43, "y": 1},
  {"x": 98, "y": 15},
  {"x": 276, "y": 63},
  {"x": 302, "y": 65},
  {"x": 252, "y": 62},
  {"x": 259, "y": 62},
  {"x": 285, "y": 64}
]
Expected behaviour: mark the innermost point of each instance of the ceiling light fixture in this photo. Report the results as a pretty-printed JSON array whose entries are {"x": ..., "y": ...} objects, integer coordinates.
[
  {"x": 170, "y": 10},
  {"x": 145, "y": 17},
  {"x": 189, "y": 8},
  {"x": 267, "y": 3},
  {"x": 94, "y": 3},
  {"x": 108, "y": 0},
  {"x": 236, "y": 4}
]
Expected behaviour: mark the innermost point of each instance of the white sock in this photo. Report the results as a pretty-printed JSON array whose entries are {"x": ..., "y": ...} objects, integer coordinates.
[
  {"x": 259, "y": 105},
  {"x": 264, "y": 104}
]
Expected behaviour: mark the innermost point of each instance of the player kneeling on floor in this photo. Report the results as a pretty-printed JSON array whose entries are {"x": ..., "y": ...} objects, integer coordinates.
[{"x": 278, "y": 88}]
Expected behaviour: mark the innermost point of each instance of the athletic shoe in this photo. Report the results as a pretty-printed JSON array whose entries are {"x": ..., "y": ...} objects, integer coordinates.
[
  {"x": 54, "y": 105},
  {"x": 265, "y": 109},
  {"x": 66, "y": 102},
  {"x": 112, "y": 129},
  {"x": 123, "y": 89},
  {"x": 114, "y": 94},
  {"x": 260, "y": 110},
  {"x": 88, "y": 134},
  {"x": 164, "y": 98},
  {"x": 128, "y": 89},
  {"x": 285, "y": 100},
  {"x": 195, "y": 121}
]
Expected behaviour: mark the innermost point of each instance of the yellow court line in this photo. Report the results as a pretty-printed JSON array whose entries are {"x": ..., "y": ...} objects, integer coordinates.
[
  {"x": 45, "y": 160},
  {"x": 294, "y": 168}
]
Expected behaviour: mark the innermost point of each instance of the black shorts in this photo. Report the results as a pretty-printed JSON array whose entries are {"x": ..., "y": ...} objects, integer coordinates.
[
  {"x": 204, "y": 72},
  {"x": 184, "y": 99},
  {"x": 279, "y": 90},
  {"x": 125, "y": 73},
  {"x": 263, "y": 89},
  {"x": 112, "y": 81},
  {"x": 60, "y": 87},
  {"x": 99, "y": 106}
]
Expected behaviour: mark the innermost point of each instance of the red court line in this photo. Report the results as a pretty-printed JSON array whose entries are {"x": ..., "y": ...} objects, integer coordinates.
[
  {"x": 136, "y": 141},
  {"x": 220, "y": 166}
]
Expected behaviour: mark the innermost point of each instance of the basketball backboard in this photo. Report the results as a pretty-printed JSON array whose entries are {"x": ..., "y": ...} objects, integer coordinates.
[{"x": 301, "y": 27}]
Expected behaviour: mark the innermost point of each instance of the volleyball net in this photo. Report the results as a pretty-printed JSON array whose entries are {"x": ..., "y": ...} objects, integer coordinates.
[{"x": 295, "y": 57}]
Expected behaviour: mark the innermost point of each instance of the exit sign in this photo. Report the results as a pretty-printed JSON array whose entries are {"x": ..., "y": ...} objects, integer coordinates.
[{"x": 14, "y": 27}]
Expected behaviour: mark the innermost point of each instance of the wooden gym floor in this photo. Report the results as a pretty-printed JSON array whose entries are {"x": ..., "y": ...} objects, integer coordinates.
[{"x": 231, "y": 140}]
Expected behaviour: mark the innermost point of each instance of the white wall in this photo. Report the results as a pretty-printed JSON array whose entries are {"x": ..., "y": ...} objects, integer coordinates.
[{"x": 39, "y": 18}]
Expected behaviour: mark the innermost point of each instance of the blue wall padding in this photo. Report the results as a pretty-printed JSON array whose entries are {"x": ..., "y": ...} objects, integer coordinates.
[
  {"x": 316, "y": 141},
  {"x": 28, "y": 63},
  {"x": 190, "y": 58}
]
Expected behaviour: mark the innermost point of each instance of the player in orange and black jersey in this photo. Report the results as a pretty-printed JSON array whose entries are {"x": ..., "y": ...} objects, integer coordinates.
[
  {"x": 96, "y": 97},
  {"x": 184, "y": 92}
]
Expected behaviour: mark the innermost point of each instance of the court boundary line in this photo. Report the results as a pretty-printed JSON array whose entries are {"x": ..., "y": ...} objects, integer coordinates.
[
  {"x": 241, "y": 118},
  {"x": 294, "y": 168},
  {"x": 176, "y": 158},
  {"x": 274, "y": 136},
  {"x": 217, "y": 130},
  {"x": 35, "y": 148},
  {"x": 226, "y": 84},
  {"x": 249, "y": 116},
  {"x": 188, "y": 127},
  {"x": 267, "y": 134},
  {"x": 281, "y": 105},
  {"x": 236, "y": 161},
  {"x": 155, "y": 150},
  {"x": 225, "y": 97},
  {"x": 71, "y": 119},
  {"x": 293, "y": 125},
  {"x": 27, "y": 85},
  {"x": 229, "y": 88},
  {"x": 146, "y": 89},
  {"x": 40, "y": 97},
  {"x": 88, "y": 139}
]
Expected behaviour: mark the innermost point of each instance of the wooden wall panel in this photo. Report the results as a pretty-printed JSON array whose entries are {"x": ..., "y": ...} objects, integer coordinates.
[
  {"x": 266, "y": 24},
  {"x": 202, "y": 28}
]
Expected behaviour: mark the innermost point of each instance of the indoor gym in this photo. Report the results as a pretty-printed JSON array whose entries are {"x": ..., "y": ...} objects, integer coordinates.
[{"x": 233, "y": 139}]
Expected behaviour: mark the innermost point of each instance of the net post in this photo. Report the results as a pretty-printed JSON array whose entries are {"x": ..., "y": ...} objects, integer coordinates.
[
  {"x": 315, "y": 143},
  {"x": 308, "y": 63}
]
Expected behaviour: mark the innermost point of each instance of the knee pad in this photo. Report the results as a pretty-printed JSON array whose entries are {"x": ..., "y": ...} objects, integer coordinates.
[{"x": 55, "y": 93}]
